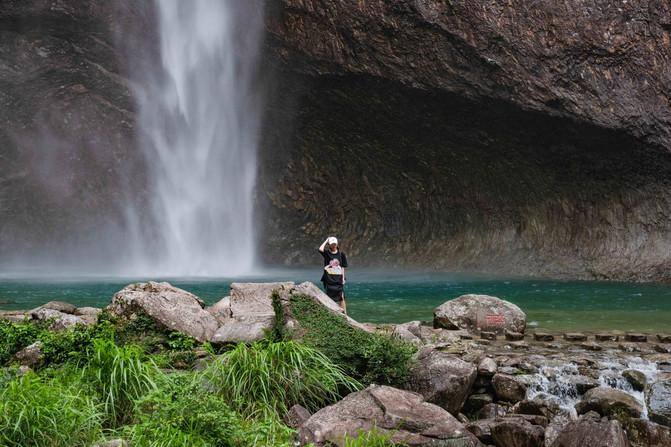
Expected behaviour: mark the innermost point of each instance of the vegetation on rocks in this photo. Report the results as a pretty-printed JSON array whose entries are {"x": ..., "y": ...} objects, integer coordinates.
[{"x": 370, "y": 358}]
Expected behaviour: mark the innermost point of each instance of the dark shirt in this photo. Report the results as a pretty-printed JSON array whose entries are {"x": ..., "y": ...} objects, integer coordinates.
[{"x": 334, "y": 263}]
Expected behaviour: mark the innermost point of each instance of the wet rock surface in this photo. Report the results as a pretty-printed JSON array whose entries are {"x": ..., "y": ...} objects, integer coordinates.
[{"x": 658, "y": 399}]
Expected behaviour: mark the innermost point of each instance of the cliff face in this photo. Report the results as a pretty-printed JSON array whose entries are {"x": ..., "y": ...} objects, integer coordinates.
[
  {"x": 511, "y": 137},
  {"x": 515, "y": 137}
]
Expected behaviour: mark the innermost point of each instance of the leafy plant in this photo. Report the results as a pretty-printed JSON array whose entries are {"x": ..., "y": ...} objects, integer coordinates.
[
  {"x": 268, "y": 378},
  {"x": 371, "y": 438},
  {"x": 370, "y": 358},
  {"x": 16, "y": 336},
  {"x": 179, "y": 341},
  {"x": 119, "y": 377},
  {"x": 41, "y": 413},
  {"x": 278, "y": 332}
]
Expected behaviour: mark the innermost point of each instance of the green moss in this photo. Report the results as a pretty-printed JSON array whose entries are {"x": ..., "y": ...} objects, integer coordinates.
[{"x": 370, "y": 358}]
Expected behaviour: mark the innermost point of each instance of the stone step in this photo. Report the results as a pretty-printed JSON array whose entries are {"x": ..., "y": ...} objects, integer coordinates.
[
  {"x": 664, "y": 338},
  {"x": 636, "y": 337},
  {"x": 575, "y": 336},
  {"x": 543, "y": 336},
  {"x": 606, "y": 337},
  {"x": 485, "y": 335},
  {"x": 514, "y": 336}
]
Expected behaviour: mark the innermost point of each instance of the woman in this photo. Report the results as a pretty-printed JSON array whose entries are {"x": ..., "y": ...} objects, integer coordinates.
[{"x": 333, "y": 278}]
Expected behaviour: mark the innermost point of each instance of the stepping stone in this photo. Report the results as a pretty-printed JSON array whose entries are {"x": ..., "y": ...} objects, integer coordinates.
[
  {"x": 636, "y": 337},
  {"x": 514, "y": 336},
  {"x": 664, "y": 338},
  {"x": 663, "y": 349},
  {"x": 575, "y": 336},
  {"x": 543, "y": 336},
  {"x": 488, "y": 335},
  {"x": 606, "y": 337},
  {"x": 466, "y": 336},
  {"x": 591, "y": 346}
]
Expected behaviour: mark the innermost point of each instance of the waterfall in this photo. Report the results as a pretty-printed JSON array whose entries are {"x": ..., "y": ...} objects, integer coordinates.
[{"x": 198, "y": 120}]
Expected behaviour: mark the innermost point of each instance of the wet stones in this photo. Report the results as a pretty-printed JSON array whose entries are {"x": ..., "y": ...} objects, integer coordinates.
[
  {"x": 658, "y": 401},
  {"x": 590, "y": 346},
  {"x": 610, "y": 402},
  {"x": 590, "y": 431},
  {"x": 636, "y": 379},
  {"x": 514, "y": 432},
  {"x": 509, "y": 388}
]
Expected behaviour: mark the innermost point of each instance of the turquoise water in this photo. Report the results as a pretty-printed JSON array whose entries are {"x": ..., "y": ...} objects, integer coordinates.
[{"x": 400, "y": 297}]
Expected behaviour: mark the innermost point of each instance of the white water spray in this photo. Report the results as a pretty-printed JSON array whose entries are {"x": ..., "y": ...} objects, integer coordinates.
[{"x": 199, "y": 117}]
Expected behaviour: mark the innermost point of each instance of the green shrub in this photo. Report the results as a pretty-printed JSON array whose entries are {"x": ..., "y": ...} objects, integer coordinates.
[
  {"x": 278, "y": 332},
  {"x": 372, "y": 438},
  {"x": 181, "y": 411},
  {"x": 16, "y": 336},
  {"x": 370, "y": 358},
  {"x": 268, "y": 378},
  {"x": 119, "y": 377},
  {"x": 41, "y": 413}
]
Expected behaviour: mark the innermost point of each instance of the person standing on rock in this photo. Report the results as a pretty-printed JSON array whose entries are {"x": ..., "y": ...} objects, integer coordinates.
[{"x": 333, "y": 277}]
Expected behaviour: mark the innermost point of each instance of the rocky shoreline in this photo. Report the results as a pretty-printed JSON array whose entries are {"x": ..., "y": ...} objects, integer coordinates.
[{"x": 478, "y": 376}]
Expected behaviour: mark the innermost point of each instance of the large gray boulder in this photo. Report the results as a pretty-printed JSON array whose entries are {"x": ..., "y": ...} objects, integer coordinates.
[
  {"x": 593, "y": 432},
  {"x": 60, "y": 306},
  {"x": 644, "y": 433},
  {"x": 610, "y": 402},
  {"x": 55, "y": 319},
  {"x": 480, "y": 313},
  {"x": 248, "y": 313},
  {"x": 169, "y": 306},
  {"x": 404, "y": 415},
  {"x": 658, "y": 400},
  {"x": 442, "y": 379}
]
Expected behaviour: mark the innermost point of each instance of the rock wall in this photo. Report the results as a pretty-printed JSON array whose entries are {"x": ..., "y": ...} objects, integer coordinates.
[{"x": 508, "y": 137}]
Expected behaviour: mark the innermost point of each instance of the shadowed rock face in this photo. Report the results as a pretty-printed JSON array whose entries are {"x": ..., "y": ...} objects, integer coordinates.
[
  {"x": 507, "y": 137},
  {"x": 66, "y": 123},
  {"x": 526, "y": 139}
]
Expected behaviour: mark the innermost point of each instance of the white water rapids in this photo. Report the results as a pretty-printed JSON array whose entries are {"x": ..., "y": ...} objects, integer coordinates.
[{"x": 199, "y": 119}]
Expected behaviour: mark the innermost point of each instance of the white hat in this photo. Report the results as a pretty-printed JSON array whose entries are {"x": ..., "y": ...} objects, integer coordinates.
[{"x": 332, "y": 240}]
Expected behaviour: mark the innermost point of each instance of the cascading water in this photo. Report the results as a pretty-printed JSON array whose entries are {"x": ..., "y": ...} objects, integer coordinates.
[{"x": 199, "y": 118}]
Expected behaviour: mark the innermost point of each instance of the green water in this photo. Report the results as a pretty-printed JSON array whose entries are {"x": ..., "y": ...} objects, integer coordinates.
[{"x": 396, "y": 298}]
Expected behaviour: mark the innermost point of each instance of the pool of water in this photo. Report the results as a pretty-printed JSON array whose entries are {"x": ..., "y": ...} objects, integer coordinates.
[{"x": 399, "y": 297}]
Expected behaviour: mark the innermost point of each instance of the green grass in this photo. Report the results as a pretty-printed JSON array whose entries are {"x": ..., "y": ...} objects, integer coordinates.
[
  {"x": 47, "y": 413},
  {"x": 369, "y": 358},
  {"x": 268, "y": 378},
  {"x": 372, "y": 438},
  {"x": 120, "y": 377}
]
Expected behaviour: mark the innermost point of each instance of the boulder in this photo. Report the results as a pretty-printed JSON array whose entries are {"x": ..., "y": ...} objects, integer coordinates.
[
  {"x": 555, "y": 426},
  {"x": 404, "y": 415},
  {"x": 480, "y": 313},
  {"x": 583, "y": 383},
  {"x": 510, "y": 388},
  {"x": 482, "y": 429},
  {"x": 56, "y": 320},
  {"x": 658, "y": 400},
  {"x": 610, "y": 402},
  {"x": 60, "y": 306},
  {"x": 636, "y": 379},
  {"x": 169, "y": 306},
  {"x": 517, "y": 432},
  {"x": 487, "y": 367},
  {"x": 539, "y": 405},
  {"x": 30, "y": 356},
  {"x": 88, "y": 314},
  {"x": 442, "y": 379},
  {"x": 221, "y": 310},
  {"x": 592, "y": 432},
  {"x": 410, "y": 332},
  {"x": 475, "y": 402},
  {"x": 490, "y": 411},
  {"x": 296, "y": 416},
  {"x": 644, "y": 433}
]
